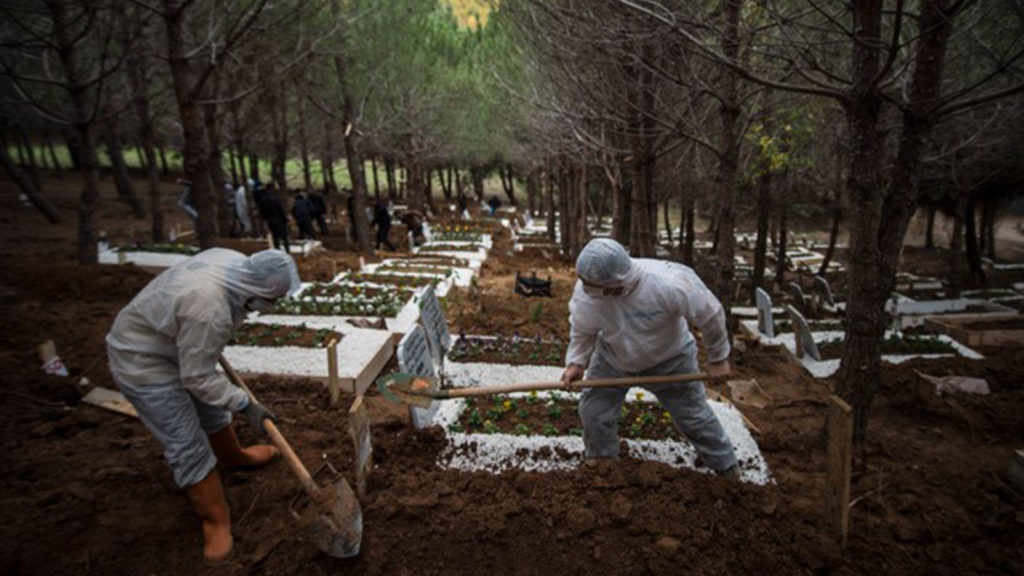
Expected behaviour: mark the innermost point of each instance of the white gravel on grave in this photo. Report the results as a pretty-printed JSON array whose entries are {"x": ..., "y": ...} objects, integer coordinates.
[
  {"x": 355, "y": 351},
  {"x": 826, "y": 368},
  {"x": 499, "y": 453},
  {"x": 149, "y": 259}
]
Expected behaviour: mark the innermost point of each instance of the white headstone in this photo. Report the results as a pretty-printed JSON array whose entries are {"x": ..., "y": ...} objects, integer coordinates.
[
  {"x": 824, "y": 289},
  {"x": 798, "y": 294},
  {"x": 803, "y": 339},
  {"x": 414, "y": 358},
  {"x": 765, "y": 321}
]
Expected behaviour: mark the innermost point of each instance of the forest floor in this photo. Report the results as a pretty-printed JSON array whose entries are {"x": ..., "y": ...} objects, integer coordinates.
[{"x": 87, "y": 491}]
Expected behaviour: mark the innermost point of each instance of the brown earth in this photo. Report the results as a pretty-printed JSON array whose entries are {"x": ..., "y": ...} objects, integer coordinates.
[
  {"x": 86, "y": 491},
  {"x": 272, "y": 335}
]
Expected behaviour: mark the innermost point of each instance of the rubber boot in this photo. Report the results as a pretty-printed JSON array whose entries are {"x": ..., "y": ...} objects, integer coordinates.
[
  {"x": 212, "y": 508},
  {"x": 225, "y": 445}
]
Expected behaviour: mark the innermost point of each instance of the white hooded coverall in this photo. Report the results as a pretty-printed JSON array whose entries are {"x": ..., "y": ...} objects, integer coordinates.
[
  {"x": 164, "y": 346},
  {"x": 645, "y": 331}
]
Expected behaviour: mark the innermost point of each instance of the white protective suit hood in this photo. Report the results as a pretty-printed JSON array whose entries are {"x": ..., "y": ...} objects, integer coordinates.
[
  {"x": 176, "y": 328},
  {"x": 606, "y": 263}
]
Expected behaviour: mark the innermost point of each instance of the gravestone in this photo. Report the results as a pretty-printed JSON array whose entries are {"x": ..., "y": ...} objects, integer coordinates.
[
  {"x": 414, "y": 358},
  {"x": 765, "y": 321},
  {"x": 824, "y": 290},
  {"x": 803, "y": 340},
  {"x": 436, "y": 329},
  {"x": 797, "y": 293}
]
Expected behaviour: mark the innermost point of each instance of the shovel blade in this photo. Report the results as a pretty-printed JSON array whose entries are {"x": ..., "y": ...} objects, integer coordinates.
[
  {"x": 337, "y": 527},
  {"x": 402, "y": 388}
]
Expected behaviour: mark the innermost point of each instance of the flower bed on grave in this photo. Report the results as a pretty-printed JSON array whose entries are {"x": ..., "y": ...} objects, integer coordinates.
[
  {"x": 893, "y": 345},
  {"x": 161, "y": 248},
  {"x": 439, "y": 259},
  {"x": 553, "y": 415},
  {"x": 786, "y": 327},
  {"x": 331, "y": 290},
  {"x": 456, "y": 236},
  {"x": 402, "y": 281},
  {"x": 386, "y": 304},
  {"x": 513, "y": 351},
  {"x": 442, "y": 247},
  {"x": 277, "y": 335},
  {"x": 459, "y": 229},
  {"x": 414, "y": 269}
]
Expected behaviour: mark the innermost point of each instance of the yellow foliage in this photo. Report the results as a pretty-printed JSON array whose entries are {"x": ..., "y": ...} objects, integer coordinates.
[{"x": 471, "y": 13}]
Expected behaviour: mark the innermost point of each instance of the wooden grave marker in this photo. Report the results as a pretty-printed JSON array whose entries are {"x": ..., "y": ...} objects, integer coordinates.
[
  {"x": 333, "y": 385},
  {"x": 359, "y": 428},
  {"x": 839, "y": 465}
]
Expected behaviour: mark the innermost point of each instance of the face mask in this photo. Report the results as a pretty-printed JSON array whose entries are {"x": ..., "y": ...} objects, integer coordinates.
[{"x": 261, "y": 305}]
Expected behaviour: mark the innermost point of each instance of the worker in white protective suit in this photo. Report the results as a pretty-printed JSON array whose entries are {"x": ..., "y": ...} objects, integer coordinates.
[
  {"x": 163, "y": 350},
  {"x": 632, "y": 317}
]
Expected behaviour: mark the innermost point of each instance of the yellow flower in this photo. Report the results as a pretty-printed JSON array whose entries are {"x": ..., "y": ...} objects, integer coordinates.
[
  {"x": 507, "y": 404},
  {"x": 533, "y": 393},
  {"x": 639, "y": 396}
]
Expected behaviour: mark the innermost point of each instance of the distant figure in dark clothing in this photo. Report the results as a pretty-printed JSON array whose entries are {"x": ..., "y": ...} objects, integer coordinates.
[
  {"x": 272, "y": 211},
  {"x": 413, "y": 220},
  {"x": 302, "y": 211},
  {"x": 319, "y": 212},
  {"x": 382, "y": 220},
  {"x": 494, "y": 203}
]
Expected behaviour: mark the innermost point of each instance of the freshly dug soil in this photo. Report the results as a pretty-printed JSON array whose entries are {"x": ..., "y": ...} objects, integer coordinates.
[
  {"x": 87, "y": 491},
  {"x": 272, "y": 335},
  {"x": 503, "y": 350},
  {"x": 539, "y": 414},
  {"x": 908, "y": 344}
]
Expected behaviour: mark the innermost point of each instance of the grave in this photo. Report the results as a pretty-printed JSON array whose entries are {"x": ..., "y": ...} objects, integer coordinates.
[
  {"x": 765, "y": 317},
  {"x": 797, "y": 295},
  {"x": 979, "y": 329},
  {"x": 414, "y": 358},
  {"x": 802, "y": 336}
]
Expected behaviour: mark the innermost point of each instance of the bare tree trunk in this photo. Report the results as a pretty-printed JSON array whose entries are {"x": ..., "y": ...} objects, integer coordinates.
[
  {"x": 352, "y": 147},
  {"x": 196, "y": 165},
  {"x": 376, "y": 184},
  {"x": 446, "y": 188},
  {"x": 30, "y": 157},
  {"x": 879, "y": 221},
  {"x": 988, "y": 227},
  {"x": 510, "y": 191},
  {"x": 780, "y": 246},
  {"x": 956, "y": 246},
  {"x": 548, "y": 182},
  {"x": 477, "y": 174},
  {"x": 833, "y": 236},
  {"x": 691, "y": 232},
  {"x": 971, "y": 237},
  {"x": 53, "y": 153},
  {"x": 164, "y": 168},
  {"x": 764, "y": 215},
  {"x": 215, "y": 158},
  {"x": 389, "y": 173},
  {"x": 929, "y": 231},
  {"x": 729, "y": 160},
  {"x": 26, "y": 185},
  {"x": 122, "y": 181},
  {"x": 85, "y": 149}
]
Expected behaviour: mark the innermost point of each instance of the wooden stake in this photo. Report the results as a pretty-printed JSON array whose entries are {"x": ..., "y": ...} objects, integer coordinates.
[
  {"x": 334, "y": 269},
  {"x": 359, "y": 428},
  {"x": 332, "y": 371},
  {"x": 837, "y": 477}
]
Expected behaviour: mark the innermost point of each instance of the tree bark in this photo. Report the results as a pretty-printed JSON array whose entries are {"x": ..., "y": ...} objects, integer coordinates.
[
  {"x": 929, "y": 231},
  {"x": 833, "y": 236},
  {"x": 53, "y": 153},
  {"x": 971, "y": 238},
  {"x": 691, "y": 231},
  {"x": 780, "y": 246},
  {"x": 30, "y": 157},
  {"x": 376, "y": 184},
  {"x": 477, "y": 174},
  {"x": 548, "y": 182},
  {"x": 353, "y": 152},
  {"x": 764, "y": 215},
  {"x": 164, "y": 168},
  {"x": 27, "y": 187},
  {"x": 196, "y": 165},
  {"x": 122, "y": 180},
  {"x": 956, "y": 246},
  {"x": 729, "y": 159}
]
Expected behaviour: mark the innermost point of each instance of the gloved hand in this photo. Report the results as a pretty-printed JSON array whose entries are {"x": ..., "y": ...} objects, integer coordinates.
[{"x": 257, "y": 413}]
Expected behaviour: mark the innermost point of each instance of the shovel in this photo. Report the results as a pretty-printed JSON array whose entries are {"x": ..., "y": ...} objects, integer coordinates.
[
  {"x": 421, "y": 391},
  {"x": 337, "y": 523}
]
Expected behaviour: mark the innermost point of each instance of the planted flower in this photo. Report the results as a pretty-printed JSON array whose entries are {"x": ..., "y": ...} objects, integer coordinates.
[
  {"x": 504, "y": 350},
  {"x": 275, "y": 335}
]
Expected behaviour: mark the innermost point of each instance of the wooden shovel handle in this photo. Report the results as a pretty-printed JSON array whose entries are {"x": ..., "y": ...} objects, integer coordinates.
[
  {"x": 558, "y": 385},
  {"x": 298, "y": 468}
]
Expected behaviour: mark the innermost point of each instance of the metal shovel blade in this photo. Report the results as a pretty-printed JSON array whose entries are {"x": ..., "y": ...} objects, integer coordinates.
[
  {"x": 337, "y": 525},
  {"x": 402, "y": 388}
]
